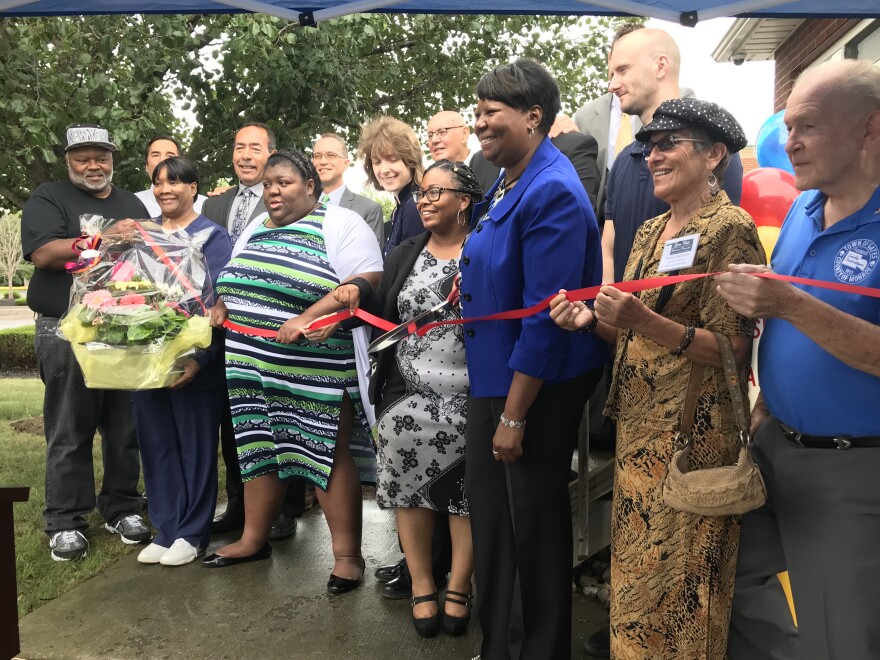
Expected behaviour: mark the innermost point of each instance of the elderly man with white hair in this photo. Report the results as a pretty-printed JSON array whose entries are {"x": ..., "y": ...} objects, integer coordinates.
[{"x": 818, "y": 431}]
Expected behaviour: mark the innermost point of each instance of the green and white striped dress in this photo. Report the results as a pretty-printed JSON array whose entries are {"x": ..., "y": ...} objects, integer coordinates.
[{"x": 287, "y": 399}]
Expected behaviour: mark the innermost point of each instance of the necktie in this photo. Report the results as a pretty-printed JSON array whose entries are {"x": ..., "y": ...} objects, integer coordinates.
[
  {"x": 239, "y": 221},
  {"x": 325, "y": 198},
  {"x": 624, "y": 134}
]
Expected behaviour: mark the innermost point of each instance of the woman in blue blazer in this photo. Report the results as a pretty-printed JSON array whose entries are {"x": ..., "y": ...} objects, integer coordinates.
[{"x": 529, "y": 379}]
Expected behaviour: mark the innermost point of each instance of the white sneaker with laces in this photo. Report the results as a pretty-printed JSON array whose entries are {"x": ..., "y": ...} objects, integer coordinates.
[
  {"x": 152, "y": 554},
  {"x": 180, "y": 553}
]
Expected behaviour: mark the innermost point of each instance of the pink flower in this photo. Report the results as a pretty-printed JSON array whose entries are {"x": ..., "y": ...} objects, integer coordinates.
[
  {"x": 122, "y": 271},
  {"x": 132, "y": 299},
  {"x": 100, "y": 299}
]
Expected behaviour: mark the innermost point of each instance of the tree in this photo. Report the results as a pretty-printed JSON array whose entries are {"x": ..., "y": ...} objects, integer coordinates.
[
  {"x": 138, "y": 75},
  {"x": 10, "y": 247}
]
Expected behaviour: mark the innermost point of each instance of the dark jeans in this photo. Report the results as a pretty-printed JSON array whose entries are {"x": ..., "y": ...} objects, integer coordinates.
[{"x": 72, "y": 414}]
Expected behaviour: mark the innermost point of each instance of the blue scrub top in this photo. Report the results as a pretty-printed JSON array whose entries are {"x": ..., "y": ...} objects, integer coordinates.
[{"x": 803, "y": 385}]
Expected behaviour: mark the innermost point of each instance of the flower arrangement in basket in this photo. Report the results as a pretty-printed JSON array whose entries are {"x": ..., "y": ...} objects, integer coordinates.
[{"x": 137, "y": 308}]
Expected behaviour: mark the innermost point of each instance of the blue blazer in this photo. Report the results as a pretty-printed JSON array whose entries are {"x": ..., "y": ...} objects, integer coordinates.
[{"x": 541, "y": 237}]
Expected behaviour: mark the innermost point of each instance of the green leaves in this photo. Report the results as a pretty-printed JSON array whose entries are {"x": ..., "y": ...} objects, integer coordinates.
[{"x": 142, "y": 75}]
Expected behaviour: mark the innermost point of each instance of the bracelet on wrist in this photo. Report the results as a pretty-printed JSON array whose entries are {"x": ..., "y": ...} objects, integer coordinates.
[
  {"x": 594, "y": 321},
  {"x": 511, "y": 424},
  {"x": 689, "y": 333}
]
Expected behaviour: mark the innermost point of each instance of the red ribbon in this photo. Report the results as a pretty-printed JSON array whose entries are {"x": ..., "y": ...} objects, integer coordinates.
[{"x": 588, "y": 293}]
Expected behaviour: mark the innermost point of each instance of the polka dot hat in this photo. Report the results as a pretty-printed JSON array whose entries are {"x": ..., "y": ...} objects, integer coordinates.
[{"x": 675, "y": 114}]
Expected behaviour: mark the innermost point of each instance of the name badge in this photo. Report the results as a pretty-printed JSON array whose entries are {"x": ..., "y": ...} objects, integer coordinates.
[{"x": 679, "y": 253}]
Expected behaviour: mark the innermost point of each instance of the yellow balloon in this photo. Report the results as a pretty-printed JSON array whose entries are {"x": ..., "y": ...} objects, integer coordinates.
[{"x": 768, "y": 236}]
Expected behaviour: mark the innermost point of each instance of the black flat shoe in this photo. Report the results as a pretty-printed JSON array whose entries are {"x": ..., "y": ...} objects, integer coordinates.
[
  {"x": 218, "y": 561},
  {"x": 456, "y": 626},
  {"x": 283, "y": 528},
  {"x": 430, "y": 626},
  {"x": 390, "y": 571},
  {"x": 338, "y": 585}
]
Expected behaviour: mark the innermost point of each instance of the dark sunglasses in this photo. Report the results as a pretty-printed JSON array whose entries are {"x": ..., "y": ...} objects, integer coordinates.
[{"x": 666, "y": 143}]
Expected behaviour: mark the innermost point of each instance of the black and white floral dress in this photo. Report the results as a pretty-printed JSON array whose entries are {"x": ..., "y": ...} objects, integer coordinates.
[{"x": 421, "y": 443}]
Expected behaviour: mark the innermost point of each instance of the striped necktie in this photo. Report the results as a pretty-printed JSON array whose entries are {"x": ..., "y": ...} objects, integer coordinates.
[{"x": 325, "y": 198}]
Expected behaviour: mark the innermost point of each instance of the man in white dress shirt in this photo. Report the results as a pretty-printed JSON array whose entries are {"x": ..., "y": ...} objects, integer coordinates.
[
  {"x": 331, "y": 159},
  {"x": 158, "y": 149}
]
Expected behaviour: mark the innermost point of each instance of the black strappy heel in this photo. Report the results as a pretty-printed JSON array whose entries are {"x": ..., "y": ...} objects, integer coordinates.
[
  {"x": 430, "y": 626},
  {"x": 455, "y": 626}
]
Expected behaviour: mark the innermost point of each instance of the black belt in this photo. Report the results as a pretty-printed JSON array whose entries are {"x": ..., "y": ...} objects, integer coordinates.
[{"x": 828, "y": 442}]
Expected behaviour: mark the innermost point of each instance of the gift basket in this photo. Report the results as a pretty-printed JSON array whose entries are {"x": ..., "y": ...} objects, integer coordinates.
[{"x": 138, "y": 304}]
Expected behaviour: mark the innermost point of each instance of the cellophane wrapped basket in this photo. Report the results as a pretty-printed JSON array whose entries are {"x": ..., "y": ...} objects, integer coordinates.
[{"x": 137, "y": 306}]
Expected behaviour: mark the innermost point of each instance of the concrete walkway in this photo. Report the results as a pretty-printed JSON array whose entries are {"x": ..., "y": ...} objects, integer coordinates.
[
  {"x": 278, "y": 608},
  {"x": 14, "y": 316}
]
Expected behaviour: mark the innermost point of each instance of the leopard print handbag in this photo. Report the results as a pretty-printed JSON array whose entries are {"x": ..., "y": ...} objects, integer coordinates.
[{"x": 720, "y": 491}]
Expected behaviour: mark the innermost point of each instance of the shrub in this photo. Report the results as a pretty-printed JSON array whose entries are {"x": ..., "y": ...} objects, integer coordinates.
[{"x": 17, "y": 349}]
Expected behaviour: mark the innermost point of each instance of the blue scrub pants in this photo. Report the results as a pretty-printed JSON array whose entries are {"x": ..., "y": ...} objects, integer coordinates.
[{"x": 177, "y": 433}]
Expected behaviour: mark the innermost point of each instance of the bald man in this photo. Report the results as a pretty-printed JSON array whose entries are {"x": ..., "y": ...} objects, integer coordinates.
[
  {"x": 447, "y": 137},
  {"x": 643, "y": 72},
  {"x": 816, "y": 427}
]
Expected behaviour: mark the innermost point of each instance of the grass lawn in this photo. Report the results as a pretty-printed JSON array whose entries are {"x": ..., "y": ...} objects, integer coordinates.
[{"x": 22, "y": 463}]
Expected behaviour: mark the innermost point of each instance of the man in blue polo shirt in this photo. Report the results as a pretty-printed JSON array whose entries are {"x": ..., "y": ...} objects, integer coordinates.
[{"x": 818, "y": 443}]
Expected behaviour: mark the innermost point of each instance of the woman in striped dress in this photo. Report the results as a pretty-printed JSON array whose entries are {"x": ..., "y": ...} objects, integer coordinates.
[{"x": 296, "y": 403}]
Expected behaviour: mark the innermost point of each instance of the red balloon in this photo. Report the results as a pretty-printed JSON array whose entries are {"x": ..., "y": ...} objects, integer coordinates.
[{"x": 767, "y": 194}]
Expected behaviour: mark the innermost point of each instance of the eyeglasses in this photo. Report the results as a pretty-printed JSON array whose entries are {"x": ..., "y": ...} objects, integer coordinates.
[
  {"x": 441, "y": 132},
  {"x": 433, "y": 194},
  {"x": 330, "y": 156},
  {"x": 666, "y": 143}
]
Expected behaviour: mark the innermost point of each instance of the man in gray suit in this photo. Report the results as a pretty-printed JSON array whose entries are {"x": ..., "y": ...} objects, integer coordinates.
[
  {"x": 234, "y": 209},
  {"x": 330, "y": 157}
]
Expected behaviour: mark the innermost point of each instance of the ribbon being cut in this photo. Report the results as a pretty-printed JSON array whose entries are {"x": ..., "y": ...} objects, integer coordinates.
[
  {"x": 139, "y": 306},
  {"x": 414, "y": 326}
]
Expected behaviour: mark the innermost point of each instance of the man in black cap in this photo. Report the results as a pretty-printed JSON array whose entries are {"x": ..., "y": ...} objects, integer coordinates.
[{"x": 72, "y": 413}]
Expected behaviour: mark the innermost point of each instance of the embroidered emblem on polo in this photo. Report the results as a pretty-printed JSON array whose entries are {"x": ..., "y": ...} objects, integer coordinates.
[{"x": 855, "y": 260}]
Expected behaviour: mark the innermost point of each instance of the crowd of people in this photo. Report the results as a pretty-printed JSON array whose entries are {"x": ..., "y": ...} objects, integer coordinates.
[{"x": 469, "y": 431}]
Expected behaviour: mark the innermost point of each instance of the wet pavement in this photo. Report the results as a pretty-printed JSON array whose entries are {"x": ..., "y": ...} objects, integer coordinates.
[{"x": 278, "y": 608}]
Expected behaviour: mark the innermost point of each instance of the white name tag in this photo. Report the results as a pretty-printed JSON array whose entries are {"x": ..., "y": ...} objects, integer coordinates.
[{"x": 679, "y": 253}]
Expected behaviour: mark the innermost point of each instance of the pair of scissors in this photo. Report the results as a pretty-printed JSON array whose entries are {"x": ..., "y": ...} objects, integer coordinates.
[{"x": 436, "y": 313}]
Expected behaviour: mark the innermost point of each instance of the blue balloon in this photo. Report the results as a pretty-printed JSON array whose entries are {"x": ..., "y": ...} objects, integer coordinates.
[{"x": 770, "y": 145}]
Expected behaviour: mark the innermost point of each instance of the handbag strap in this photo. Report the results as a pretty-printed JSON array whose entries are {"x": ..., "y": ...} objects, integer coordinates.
[
  {"x": 731, "y": 377},
  {"x": 695, "y": 381}
]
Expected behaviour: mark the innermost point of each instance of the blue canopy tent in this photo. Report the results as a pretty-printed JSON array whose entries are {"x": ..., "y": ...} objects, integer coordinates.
[{"x": 686, "y": 13}]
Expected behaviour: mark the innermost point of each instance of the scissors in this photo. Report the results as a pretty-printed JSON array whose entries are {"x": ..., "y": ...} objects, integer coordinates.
[{"x": 436, "y": 313}]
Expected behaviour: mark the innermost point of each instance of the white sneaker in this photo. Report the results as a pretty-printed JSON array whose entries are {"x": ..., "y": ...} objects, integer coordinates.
[
  {"x": 180, "y": 553},
  {"x": 152, "y": 554}
]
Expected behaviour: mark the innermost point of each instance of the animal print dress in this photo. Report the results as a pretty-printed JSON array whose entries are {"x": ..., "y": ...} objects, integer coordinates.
[{"x": 672, "y": 572}]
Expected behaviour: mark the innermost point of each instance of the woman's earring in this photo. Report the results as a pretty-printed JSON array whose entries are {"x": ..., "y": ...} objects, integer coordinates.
[
  {"x": 460, "y": 219},
  {"x": 531, "y": 132},
  {"x": 713, "y": 182}
]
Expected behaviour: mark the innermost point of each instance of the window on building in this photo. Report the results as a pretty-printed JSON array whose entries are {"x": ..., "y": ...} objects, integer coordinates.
[{"x": 865, "y": 45}]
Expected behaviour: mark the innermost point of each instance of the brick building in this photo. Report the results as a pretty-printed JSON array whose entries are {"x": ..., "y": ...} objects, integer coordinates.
[{"x": 797, "y": 44}]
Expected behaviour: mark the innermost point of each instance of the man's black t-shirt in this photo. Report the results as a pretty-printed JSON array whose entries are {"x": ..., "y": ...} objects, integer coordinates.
[{"x": 53, "y": 212}]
